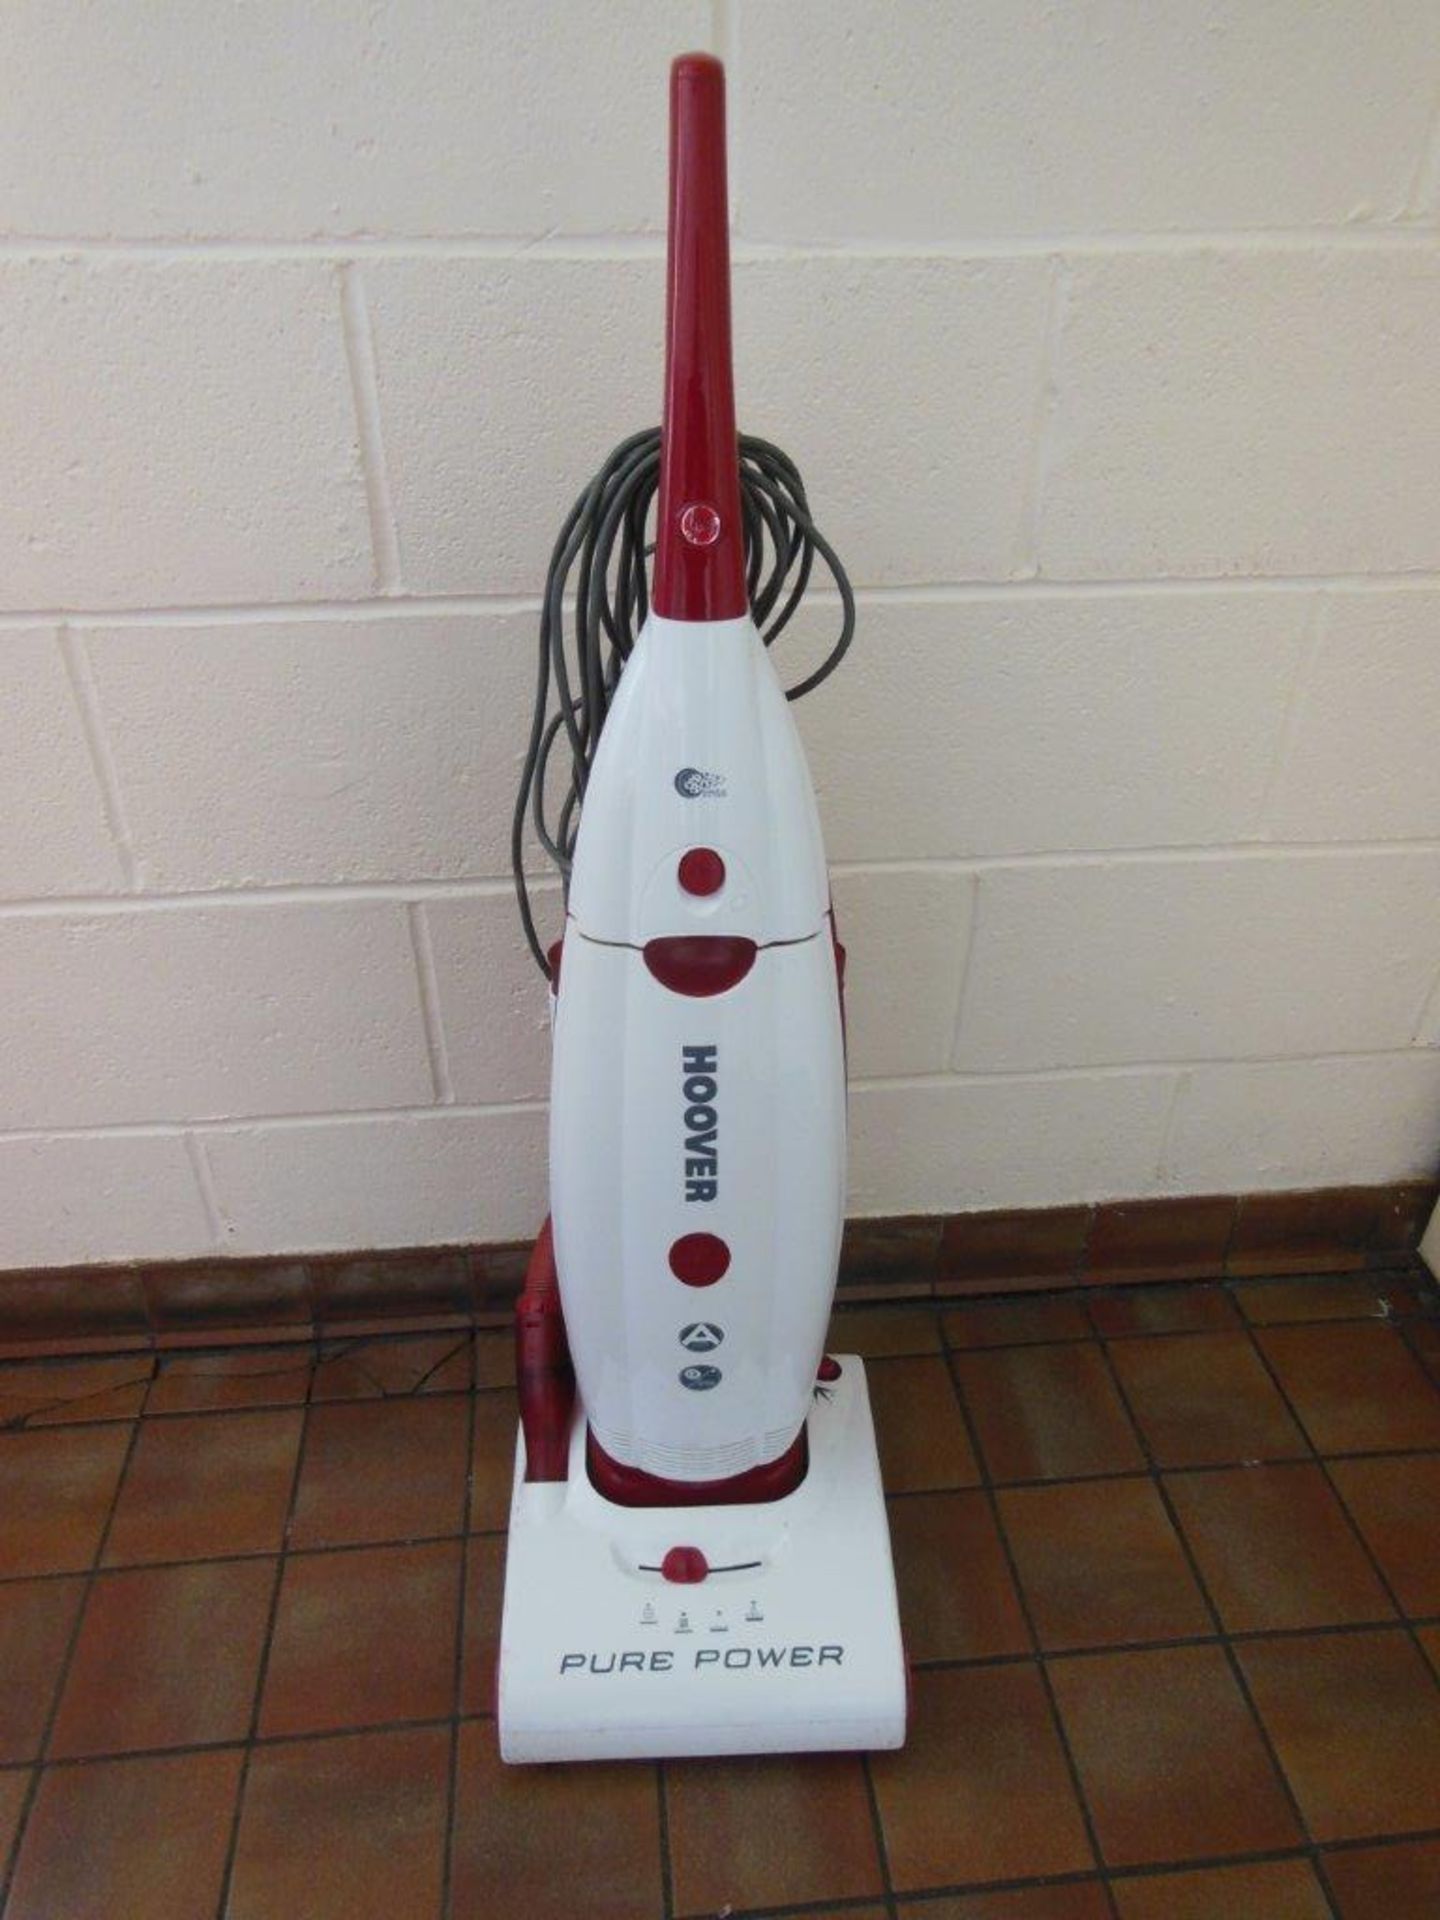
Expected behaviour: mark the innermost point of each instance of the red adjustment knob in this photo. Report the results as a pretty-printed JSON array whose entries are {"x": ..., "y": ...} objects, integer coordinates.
[
  {"x": 684, "y": 1566},
  {"x": 701, "y": 871},
  {"x": 828, "y": 1369},
  {"x": 699, "y": 1259}
]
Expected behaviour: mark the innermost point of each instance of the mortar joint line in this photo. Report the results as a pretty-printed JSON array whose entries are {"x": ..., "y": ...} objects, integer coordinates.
[
  {"x": 1302, "y": 673},
  {"x": 1046, "y": 416},
  {"x": 359, "y": 339},
  {"x": 78, "y": 669},
  {"x": 433, "y": 1020},
  {"x": 204, "y": 1176}
]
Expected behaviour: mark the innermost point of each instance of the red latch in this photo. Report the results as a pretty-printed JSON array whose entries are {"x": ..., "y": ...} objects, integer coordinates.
[
  {"x": 684, "y": 1566},
  {"x": 700, "y": 964}
]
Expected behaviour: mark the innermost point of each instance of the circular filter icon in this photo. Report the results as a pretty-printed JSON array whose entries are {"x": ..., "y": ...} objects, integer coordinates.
[{"x": 700, "y": 1379}]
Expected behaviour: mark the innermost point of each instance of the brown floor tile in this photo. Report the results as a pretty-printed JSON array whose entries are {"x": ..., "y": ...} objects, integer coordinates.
[
  {"x": 495, "y": 1359},
  {"x": 844, "y": 1913},
  {"x": 957, "y": 1600},
  {"x": 484, "y": 1594},
  {"x": 1027, "y": 1243},
  {"x": 496, "y": 1276},
  {"x": 55, "y": 1494},
  {"x": 1169, "y": 1239},
  {"x": 167, "y": 1657},
  {"x": 1322, "y": 1232},
  {"x": 128, "y": 1837},
  {"x": 390, "y": 1286},
  {"x": 769, "y": 1831},
  {"x": 1205, "y": 1399},
  {"x": 381, "y": 1470},
  {"x": 217, "y": 1294},
  {"x": 1047, "y": 1413},
  {"x": 878, "y": 1333},
  {"x": 919, "y": 1427},
  {"x": 980, "y": 1791},
  {"x": 1271, "y": 1890},
  {"x": 1357, "y": 1388},
  {"x": 1275, "y": 1549},
  {"x": 362, "y": 1638},
  {"x": 214, "y": 1484},
  {"x": 1355, "y": 1719},
  {"x": 1387, "y": 1883},
  {"x": 1100, "y": 1564},
  {"x": 1395, "y": 1503},
  {"x": 1072, "y": 1900},
  {"x": 1423, "y": 1338},
  {"x": 36, "y": 1621},
  {"x": 1405, "y": 1207},
  {"x": 381, "y": 1369},
  {"x": 1429, "y": 1638},
  {"x": 542, "y": 1841},
  {"x": 86, "y": 1301},
  {"x": 56, "y": 1393},
  {"x": 348, "y": 1828},
  {"x": 14, "y": 1786},
  {"x": 1169, "y": 1757},
  {"x": 890, "y": 1251},
  {"x": 1161, "y": 1310},
  {"x": 493, "y": 1459},
  {"x": 237, "y": 1377},
  {"x": 1360, "y": 1296},
  {"x": 1024, "y": 1321}
]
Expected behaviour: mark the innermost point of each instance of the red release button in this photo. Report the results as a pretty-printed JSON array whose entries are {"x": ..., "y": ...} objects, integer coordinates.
[
  {"x": 685, "y": 1566},
  {"x": 701, "y": 870},
  {"x": 699, "y": 1259}
]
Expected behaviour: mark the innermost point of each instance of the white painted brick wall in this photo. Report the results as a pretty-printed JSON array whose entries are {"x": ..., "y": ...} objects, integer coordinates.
[
  {"x": 1106, "y": 339},
  {"x": 177, "y": 430}
]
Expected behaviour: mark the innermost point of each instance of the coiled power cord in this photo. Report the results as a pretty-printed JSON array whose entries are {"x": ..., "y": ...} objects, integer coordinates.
[{"x": 603, "y": 548}]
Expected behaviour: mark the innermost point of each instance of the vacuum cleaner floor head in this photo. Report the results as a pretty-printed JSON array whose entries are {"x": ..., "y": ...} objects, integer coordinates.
[{"x": 645, "y": 1632}]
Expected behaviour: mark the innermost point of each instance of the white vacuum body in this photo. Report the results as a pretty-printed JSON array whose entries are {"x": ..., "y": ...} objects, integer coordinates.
[
  {"x": 699, "y": 1559},
  {"x": 697, "y": 1133}
]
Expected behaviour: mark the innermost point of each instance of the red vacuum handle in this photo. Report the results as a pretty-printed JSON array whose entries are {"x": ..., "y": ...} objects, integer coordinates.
[{"x": 699, "y": 542}]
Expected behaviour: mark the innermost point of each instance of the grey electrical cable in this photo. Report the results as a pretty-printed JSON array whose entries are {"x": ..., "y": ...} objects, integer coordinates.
[{"x": 603, "y": 544}]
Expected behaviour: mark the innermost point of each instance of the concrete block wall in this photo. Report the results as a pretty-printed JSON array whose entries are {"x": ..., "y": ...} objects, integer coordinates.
[{"x": 1106, "y": 337}]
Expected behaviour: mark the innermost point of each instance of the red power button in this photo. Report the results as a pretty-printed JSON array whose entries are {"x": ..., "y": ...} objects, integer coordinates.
[{"x": 701, "y": 871}]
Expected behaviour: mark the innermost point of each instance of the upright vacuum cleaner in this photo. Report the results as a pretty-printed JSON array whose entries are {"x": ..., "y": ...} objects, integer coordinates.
[{"x": 699, "y": 1561}]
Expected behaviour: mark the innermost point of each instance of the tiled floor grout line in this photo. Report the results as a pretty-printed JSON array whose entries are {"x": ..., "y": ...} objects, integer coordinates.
[
  {"x": 1237, "y": 1673},
  {"x": 877, "y": 1831},
  {"x": 233, "y": 1843},
  {"x": 662, "y": 1821},
  {"x": 62, "y": 1677},
  {"x": 1429, "y": 1367},
  {"x": 1322, "y": 1461},
  {"x": 266, "y": 1406},
  {"x": 1404, "y": 1269},
  {"x": 457, "y": 1692},
  {"x": 317, "y": 1552},
  {"x": 987, "y": 1483},
  {"x": 1144, "y": 1870},
  {"x": 981, "y": 1661}
]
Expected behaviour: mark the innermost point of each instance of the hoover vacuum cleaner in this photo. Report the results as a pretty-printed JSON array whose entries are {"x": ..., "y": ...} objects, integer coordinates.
[{"x": 699, "y": 1561}]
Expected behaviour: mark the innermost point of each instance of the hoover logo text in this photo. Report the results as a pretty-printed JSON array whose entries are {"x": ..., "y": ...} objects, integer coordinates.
[{"x": 702, "y": 1161}]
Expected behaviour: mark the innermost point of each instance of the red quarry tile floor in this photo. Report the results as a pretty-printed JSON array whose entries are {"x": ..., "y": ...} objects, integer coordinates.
[{"x": 1168, "y": 1567}]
